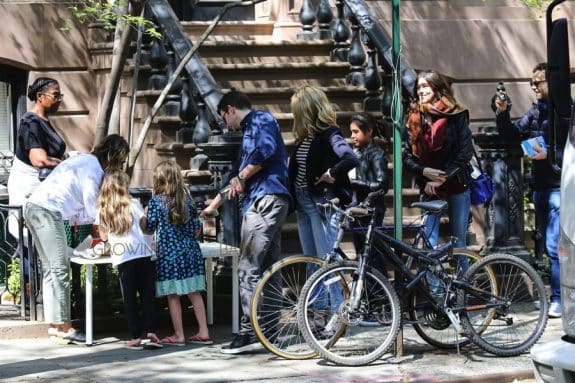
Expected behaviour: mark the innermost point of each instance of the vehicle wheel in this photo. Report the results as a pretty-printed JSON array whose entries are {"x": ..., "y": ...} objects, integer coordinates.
[
  {"x": 518, "y": 311},
  {"x": 335, "y": 329},
  {"x": 274, "y": 306}
]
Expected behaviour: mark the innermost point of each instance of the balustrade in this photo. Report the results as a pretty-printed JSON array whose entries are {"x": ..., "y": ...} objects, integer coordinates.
[
  {"x": 307, "y": 18},
  {"x": 356, "y": 56},
  {"x": 372, "y": 101},
  {"x": 324, "y": 17},
  {"x": 158, "y": 62},
  {"x": 504, "y": 221},
  {"x": 341, "y": 34},
  {"x": 171, "y": 106}
]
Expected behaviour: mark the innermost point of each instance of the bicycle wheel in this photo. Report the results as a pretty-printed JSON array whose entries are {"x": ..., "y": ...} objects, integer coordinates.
[
  {"x": 340, "y": 333},
  {"x": 517, "y": 320},
  {"x": 274, "y": 306},
  {"x": 434, "y": 327}
]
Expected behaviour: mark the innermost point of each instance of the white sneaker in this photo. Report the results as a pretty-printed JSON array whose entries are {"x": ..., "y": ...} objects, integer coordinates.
[{"x": 554, "y": 310}]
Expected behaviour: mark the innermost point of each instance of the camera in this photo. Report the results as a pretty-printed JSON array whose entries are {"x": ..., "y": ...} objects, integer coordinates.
[{"x": 501, "y": 92}]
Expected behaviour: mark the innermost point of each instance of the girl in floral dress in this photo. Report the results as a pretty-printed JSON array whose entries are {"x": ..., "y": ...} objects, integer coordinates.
[{"x": 180, "y": 266}]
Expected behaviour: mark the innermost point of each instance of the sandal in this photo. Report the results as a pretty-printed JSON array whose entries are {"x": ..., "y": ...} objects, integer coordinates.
[
  {"x": 133, "y": 345},
  {"x": 173, "y": 341},
  {"x": 200, "y": 340},
  {"x": 152, "y": 342}
]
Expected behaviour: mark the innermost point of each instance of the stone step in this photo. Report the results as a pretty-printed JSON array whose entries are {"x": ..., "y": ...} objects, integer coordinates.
[
  {"x": 250, "y": 51},
  {"x": 230, "y": 30},
  {"x": 252, "y": 77}
]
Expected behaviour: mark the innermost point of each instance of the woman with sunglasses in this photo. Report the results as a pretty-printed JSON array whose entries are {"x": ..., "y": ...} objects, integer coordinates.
[
  {"x": 39, "y": 148},
  {"x": 38, "y": 145}
]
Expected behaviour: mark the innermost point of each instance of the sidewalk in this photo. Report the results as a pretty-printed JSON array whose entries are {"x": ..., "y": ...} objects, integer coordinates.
[{"x": 41, "y": 360}]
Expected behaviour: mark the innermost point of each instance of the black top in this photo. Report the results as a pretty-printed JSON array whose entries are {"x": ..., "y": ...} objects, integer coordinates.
[
  {"x": 328, "y": 150},
  {"x": 455, "y": 153},
  {"x": 37, "y": 133},
  {"x": 371, "y": 174},
  {"x": 535, "y": 122}
]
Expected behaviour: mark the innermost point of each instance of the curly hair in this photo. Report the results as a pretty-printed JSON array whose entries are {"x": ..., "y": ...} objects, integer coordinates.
[
  {"x": 114, "y": 202},
  {"x": 168, "y": 181}
]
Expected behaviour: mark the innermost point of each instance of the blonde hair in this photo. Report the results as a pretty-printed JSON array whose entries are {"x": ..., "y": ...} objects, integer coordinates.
[
  {"x": 168, "y": 180},
  {"x": 115, "y": 203},
  {"x": 312, "y": 112}
]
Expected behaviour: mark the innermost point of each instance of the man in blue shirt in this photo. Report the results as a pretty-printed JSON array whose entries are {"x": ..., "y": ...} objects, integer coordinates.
[
  {"x": 260, "y": 174},
  {"x": 546, "y": 181}
]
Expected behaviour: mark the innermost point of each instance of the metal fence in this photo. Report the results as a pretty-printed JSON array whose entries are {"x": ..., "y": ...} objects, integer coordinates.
[{"x": 14, "y": 245}]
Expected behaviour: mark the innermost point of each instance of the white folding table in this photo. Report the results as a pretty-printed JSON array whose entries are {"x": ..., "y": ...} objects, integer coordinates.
[{"x": 209, "y": 251}]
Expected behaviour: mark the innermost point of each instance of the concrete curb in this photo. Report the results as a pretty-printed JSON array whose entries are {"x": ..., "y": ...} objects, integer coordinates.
[{"x": 503, "y": 377}]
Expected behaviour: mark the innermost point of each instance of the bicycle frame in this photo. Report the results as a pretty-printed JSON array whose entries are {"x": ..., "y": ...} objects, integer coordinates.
[{"x": 388, "y": 246}]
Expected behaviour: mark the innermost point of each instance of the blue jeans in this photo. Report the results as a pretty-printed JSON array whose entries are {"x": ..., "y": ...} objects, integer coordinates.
[
  {"x": 459, "y": 207},
  {"x": 547, "y": 204},
  {"x": 317, "y": 234}
]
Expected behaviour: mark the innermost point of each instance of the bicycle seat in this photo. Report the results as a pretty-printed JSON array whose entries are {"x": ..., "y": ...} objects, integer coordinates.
[{"x": 436, "y": 206}]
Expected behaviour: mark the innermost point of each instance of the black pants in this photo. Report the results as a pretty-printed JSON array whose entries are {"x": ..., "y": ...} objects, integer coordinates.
[{"x": 138, "y": 277}]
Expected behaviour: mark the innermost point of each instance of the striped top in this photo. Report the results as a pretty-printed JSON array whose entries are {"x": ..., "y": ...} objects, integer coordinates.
[{"x": 301, "y": 162}]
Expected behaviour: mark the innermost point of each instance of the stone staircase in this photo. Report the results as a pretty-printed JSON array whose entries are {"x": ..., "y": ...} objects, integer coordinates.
[{"x": 244, "y": 55}]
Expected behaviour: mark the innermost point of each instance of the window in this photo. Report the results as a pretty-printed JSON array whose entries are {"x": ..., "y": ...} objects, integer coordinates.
[{"x": 6, "y": 130}]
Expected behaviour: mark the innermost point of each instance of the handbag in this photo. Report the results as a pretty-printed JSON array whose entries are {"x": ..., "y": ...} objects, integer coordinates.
[{"x": 482, "y": 187}]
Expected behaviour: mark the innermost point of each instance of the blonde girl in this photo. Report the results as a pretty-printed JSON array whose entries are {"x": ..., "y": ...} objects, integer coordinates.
[
  {"x": 180, "y": 266},
  {"x": 131, "y": 251}
]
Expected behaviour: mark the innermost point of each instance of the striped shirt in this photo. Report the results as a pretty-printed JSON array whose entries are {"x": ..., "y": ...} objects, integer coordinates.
[{"x": 301, "y": 161}]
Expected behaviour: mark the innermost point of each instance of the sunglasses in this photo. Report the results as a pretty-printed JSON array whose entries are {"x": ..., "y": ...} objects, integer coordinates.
[
  {"x": 535, "y": 84},
  {"x": 56, "y": 96}
]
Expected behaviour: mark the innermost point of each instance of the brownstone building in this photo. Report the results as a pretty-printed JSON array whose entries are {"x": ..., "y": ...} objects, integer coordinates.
[{"x": 477, "y": 43}]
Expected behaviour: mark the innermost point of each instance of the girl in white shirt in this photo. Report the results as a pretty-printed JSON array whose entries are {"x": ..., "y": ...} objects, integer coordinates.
[
  {"x": 69, "y": 191},
  {"x": 131, "y": 251}
]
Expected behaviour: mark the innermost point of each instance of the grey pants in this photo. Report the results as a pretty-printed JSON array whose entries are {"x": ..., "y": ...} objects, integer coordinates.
[
  {"x": 260, "y": 247},
  {"x": 47, "y": 229}
]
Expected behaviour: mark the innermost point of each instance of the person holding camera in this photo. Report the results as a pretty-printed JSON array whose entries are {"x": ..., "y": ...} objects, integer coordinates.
[{"x": 546, "y": 180}]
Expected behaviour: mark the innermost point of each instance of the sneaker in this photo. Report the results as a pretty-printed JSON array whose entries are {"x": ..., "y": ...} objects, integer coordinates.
[
  {"x": 242, "y": 343},
  {"x": 554, "y": 310},
  {"x": 75, "y": 336}
]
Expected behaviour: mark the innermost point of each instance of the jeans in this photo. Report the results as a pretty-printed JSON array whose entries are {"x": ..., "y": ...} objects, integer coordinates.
[
  {"x": 47, "y": 229},
  {"x": 137, "y": 278},
  {"x": 317, "y": 234},
  {"x": 459, "y": 208},
  {"x": 547, "y": 204},
  {"x": 260, "y": 248}
]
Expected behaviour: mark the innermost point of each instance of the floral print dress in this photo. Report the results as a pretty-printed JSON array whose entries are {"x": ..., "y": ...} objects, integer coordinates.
[{"x": 180, "y": 265}]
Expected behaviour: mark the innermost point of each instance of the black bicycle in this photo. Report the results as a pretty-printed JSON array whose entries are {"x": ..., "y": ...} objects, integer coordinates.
[
  {"x": 498, "y": 303},
  {"x": 275, "y": 300}
]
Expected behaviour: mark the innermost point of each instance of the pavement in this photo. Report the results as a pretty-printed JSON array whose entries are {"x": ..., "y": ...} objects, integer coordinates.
[{"x": 28, "y": 356}]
